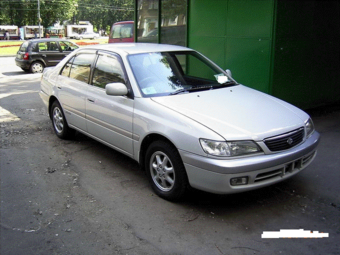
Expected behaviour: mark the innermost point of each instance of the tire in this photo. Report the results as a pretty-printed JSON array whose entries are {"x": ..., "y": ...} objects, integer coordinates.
[
  {"x": 59, "y": 123},
  {"x": 37, "y": 67},
  {"x": 165, "y": 171}
]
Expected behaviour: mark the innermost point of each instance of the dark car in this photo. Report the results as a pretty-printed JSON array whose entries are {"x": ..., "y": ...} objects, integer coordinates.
[{"x": 34, "y": 55}]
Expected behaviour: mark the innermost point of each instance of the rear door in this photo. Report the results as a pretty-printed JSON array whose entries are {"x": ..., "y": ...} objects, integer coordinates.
[{"x": 72, "y": 88}]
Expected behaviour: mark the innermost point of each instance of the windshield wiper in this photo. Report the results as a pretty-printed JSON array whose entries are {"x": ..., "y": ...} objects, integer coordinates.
[
  {"x": 224, "y": 85},
  {"x": 180, "y": 91},
  {"x": 188, "y": 90}
]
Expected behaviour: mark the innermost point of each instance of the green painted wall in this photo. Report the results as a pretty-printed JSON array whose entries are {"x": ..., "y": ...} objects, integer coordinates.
[
  {"x": 306, "y": 54},
  {"x": 236, "y": 34}
]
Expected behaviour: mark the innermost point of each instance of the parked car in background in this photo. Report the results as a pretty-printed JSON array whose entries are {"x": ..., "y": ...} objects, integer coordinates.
[
  {"x": 184, "y": 119},
  {"x": 87, "y": 35},
  {"x": 122, "y": 32},
  {"x": 34, "y": 55}
]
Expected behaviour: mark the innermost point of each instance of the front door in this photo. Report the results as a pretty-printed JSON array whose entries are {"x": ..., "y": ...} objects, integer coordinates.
[
  {"x": 109, "y": 118},
  {"x": 50, "y": 52}
]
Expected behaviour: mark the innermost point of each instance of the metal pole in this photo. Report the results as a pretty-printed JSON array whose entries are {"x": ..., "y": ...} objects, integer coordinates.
[{"x": 39, "y": 18}]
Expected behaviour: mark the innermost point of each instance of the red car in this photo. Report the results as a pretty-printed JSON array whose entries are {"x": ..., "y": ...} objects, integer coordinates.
[{"x": 122, "y": 32}]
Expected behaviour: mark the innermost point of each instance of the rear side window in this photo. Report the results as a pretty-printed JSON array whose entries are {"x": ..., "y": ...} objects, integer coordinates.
[
  {"x": 81, "y": 67},
  {"x": 24, "y": 47}
]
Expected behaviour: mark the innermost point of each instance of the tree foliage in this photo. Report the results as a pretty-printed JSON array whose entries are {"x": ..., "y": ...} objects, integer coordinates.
[{"x": 101, "y": 13}]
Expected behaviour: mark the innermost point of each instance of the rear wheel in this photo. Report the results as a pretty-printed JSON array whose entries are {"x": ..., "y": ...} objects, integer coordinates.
[
  {"x": 37, "y": 67},
  {"x": 61, "y": 129},
  {"x": 165, "y": 171}
]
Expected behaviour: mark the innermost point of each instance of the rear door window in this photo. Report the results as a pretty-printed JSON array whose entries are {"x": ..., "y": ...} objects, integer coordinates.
[
  {"x": 42, "y": 46},
  {"x": 67, "y": 68},
  {"x": 81, "y": 67}
]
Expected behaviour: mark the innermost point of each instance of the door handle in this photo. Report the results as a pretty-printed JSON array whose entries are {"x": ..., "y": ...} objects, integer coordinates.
[
  {"x": 90, "y": 100},
  {"x": 44, "y": 56}
]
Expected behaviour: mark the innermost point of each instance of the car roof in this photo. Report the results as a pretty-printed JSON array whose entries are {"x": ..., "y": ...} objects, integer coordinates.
[
  {"x": 46, "y": 40},
  {"x": 124, "y": 22},
  {"x": 136, "y": 48}
]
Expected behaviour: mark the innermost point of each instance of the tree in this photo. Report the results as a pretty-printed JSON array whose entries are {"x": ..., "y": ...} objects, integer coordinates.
[
  {"x": 103, "y": 13},
  {"x": 25, "y": 12}
]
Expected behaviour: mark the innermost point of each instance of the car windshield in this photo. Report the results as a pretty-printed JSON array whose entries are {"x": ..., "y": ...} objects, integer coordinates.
[{"x": 170, "y": 73}]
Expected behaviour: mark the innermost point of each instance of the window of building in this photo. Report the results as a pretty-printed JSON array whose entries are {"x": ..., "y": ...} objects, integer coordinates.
[
  {"x": 147, "y": 21},
  {"x": 173, "y": 28}
]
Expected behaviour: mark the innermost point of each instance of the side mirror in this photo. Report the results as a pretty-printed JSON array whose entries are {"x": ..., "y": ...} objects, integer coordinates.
[
  {"x": 228, "y": 72},
  {"x": 116, "y": 89}
]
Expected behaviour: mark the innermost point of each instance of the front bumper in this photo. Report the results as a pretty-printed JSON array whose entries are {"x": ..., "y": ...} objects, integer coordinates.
[{"x": 213, "y": 175}]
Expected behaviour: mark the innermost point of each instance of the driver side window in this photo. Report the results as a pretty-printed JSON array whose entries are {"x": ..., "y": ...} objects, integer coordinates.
[{"x": 107, "y": 70}]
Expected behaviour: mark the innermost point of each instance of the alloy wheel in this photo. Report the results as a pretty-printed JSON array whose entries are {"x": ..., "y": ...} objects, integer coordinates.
[{"x": 162, "y": 171}]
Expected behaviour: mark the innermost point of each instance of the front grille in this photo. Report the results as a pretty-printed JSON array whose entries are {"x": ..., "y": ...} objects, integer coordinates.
[
  {"x": 285, "y": 141},
  {"x": 287, "y": 169}
]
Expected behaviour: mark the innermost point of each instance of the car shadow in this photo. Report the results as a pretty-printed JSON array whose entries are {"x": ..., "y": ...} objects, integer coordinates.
[{"x": 14, "y": 73}]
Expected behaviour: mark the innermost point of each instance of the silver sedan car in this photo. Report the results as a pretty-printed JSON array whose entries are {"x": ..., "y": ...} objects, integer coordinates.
[
  {"x": 87, "y": 35},
  {"x": 184, "y": 119}
]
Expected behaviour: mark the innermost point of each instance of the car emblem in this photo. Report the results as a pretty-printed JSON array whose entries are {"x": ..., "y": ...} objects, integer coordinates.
[{"x": 290, "y": 141}]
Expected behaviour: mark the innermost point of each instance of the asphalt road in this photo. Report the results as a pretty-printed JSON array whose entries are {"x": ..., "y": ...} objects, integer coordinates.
[{"x": 81, "y": 197}]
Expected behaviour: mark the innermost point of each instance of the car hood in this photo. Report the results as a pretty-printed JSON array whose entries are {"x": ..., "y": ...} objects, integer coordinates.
[{"x": 238, "y": 112}]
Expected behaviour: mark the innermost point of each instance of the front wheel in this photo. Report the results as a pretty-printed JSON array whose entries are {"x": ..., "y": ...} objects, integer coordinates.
[
  {"x": 165, "y": 171},
  {"x": 59, "y": 123}
]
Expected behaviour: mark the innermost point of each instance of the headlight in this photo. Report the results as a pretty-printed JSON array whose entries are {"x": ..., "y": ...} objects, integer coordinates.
[
  {"x": 309, "y": 127},
  {"x": 229, "y": 149}
]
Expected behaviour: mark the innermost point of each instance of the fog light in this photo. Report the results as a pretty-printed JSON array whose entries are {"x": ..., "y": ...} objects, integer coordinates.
[{"x": 239, "y": 181}]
